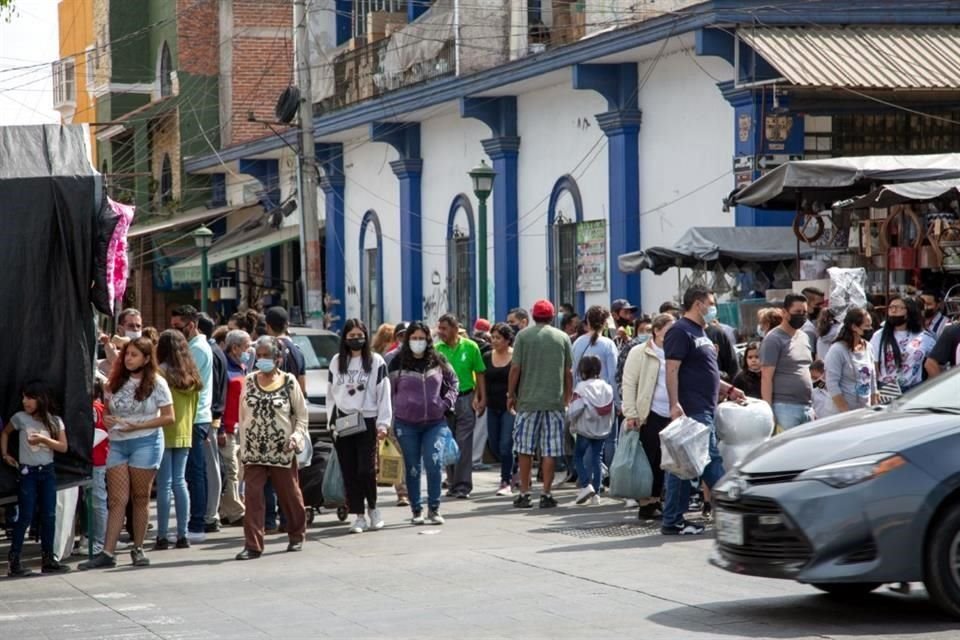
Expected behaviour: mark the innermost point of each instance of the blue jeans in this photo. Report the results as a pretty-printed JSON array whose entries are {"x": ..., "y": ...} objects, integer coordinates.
[
  {"x": 197, "y": 478},
  {"x": 37, "y": 486},
  {"x": 99, "y": 507},
  {"x": 678, "y": 491},
  {"x": 422, "y": 448},
  {"x": 610, "y": 444},
  {"x": 500, "y": 440},
  {"x": 586, "y": 460},
  {"x": 270, "y": 508},
  {"x": 172, "y": 481},
  {"x": 789, "y": 416}
]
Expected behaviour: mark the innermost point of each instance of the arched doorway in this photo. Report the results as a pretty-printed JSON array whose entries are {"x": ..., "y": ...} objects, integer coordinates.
[
  {"x": 371, "y": 270},
  {"x": 461, "y": 261},
  {"x": 563, "y": 213}
]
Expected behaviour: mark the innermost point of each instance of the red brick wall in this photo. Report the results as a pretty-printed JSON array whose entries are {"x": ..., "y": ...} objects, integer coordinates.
[
  {"x": 262, "y": 63},
  {"x": 198, "y": 37}
]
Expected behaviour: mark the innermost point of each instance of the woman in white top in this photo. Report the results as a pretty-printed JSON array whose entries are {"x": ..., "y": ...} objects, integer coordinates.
[
  {"x": 139, "y": 404},
  {"x": 850, "y": 372},
  {"x": 646, "y": 406},
  {"x": 359, "y": 386},
  {"x": 902, "y": 347}
]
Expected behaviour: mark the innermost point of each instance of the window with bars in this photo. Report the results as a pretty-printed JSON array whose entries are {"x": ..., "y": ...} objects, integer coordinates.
[
  {"x": 64, "y": 82},
  {"x": 166, "y": 70},
  {"x": 900, "y": 132},
  {"x": 460, "y": 286},
  {"x": 565, "y": 262},
  {"x": 371, "y": 293},
  {"x": 363, "y": 8},
  {"x": 166, "y": 180}
]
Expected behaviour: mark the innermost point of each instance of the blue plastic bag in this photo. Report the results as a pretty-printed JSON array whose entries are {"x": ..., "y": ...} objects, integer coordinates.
[
  {"x": 451, "y": 452},
  {"x": 630, "y": 473},
  {"x": 334, "y": 493}
]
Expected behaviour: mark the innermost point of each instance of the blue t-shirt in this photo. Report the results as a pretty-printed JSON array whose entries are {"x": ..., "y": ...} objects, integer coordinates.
[
  {"x": 203, "y": 358},
  {"x": 699, "y": 376}
]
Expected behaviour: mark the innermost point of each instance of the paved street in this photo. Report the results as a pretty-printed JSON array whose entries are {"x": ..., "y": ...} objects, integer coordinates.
[{"x": 491, "y": 572}]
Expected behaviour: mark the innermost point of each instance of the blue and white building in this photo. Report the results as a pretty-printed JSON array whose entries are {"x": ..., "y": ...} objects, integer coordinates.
[{"x": 637, "y": 117}]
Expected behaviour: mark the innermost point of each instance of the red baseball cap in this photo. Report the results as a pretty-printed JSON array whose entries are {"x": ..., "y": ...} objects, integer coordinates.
[
  {"x": 542, "y": 310},
  {"x": 482, "y": 324}
]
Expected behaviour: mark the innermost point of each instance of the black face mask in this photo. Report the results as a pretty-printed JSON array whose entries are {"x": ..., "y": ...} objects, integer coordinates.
[
  {"x": 897, "y": 321},
  {"x": 797, "y": 320},
  {"x": 929, "y": 313},
  {"x": 867, "y": 334},
  {"x": 815, "y": 314},
  {"x": 356, "y": 344},
  {"x": 515, "y": 328}
]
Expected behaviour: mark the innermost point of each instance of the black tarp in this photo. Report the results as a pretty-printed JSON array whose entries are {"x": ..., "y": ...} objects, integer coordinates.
[{"x": 50, "y": 209}]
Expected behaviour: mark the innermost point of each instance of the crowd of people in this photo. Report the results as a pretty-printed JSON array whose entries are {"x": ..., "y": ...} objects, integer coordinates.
[{"x": 216, "y": 417}]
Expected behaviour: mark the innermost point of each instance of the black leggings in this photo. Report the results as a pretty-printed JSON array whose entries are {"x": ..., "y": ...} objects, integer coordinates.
[
  {"x": 650, "y": 438},
  {"x": 358, "y": 462}
]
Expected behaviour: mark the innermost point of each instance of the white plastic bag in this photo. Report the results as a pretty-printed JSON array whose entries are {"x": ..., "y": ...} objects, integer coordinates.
[
  {"x": 685, "y": 448},
  {"x": 741, "y": 427}
]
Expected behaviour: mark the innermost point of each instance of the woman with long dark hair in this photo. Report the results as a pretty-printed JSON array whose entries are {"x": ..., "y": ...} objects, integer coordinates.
[
  {"x": 849, "y": 368},
  {"x": 179, "y": 370},
  {"x": 359, "y": 390},
  {"x": 499, "y": 419},
  {"x": 424, "y": 388},
  {"x": 901, "y": 348},
  {"x": 41, "y": 434},
  {"x": 139, "y": 404}
]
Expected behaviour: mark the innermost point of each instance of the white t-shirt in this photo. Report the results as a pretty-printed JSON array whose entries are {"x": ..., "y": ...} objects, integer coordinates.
[
  {"x": 661, "y": 401},
  {"x": 124, "y": 405}
]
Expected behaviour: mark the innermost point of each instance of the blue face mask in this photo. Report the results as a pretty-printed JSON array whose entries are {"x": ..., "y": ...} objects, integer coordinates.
[
  {"x": 245, "y": 358},
  {"x": 266, "y": 365},
  {"x": 711, "y": 314}
]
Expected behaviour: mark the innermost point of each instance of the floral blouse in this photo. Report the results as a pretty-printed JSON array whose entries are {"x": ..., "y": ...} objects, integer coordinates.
[{"x": 914, "y": 348}]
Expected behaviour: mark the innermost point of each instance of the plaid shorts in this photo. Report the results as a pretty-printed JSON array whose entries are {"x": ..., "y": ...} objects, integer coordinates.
[{"x": 539, "y": 431}]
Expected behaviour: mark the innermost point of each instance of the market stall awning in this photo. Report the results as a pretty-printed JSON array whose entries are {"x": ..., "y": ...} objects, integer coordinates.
[
  {"x": 191, "y": 217},
  {"x": 893, "y": 194},
  {"x": 861, "y": 57},
  {"x": 252, "y": 239},
  {"x": 832, "y": 179},
  {"x": 701, "y": 245}
]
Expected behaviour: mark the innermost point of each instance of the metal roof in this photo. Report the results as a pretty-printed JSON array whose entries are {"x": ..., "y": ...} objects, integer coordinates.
[{"x": 904, "y": 57}]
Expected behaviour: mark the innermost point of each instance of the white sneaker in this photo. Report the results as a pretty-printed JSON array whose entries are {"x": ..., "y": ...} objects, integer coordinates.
[
  {"x": 417, "y": 519},
  {"x": 196, "y": 537},
  {"x": 359, "y": 525},
  {"x": 631, "y": 504},
  {"x": 434, "y": 517},
  {"x": 585, "y": 494},
  {"x": 505, "y": 489},
  {"x": 376, "y": 520},
  {"x": 594, "y": 501}
]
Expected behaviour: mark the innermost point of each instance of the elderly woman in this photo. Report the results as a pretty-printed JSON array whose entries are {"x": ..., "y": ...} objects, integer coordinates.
[
  {"x": 236, "y": 346},
  {"x": 273, "y": 429}
]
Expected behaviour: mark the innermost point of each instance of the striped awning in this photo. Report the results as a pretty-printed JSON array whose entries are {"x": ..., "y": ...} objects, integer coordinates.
[{"x": 857, "y": 57}]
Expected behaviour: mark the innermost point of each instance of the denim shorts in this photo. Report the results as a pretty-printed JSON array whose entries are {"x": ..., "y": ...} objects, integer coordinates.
[{"x": 144, "y": 452}]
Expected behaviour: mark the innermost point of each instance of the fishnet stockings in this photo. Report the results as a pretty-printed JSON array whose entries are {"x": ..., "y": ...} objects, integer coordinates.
[
  {"x": 118, "y": 494},
  {"x": 141, "y": 480}
]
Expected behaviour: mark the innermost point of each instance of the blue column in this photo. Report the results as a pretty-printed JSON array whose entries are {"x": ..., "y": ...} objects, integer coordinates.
[
  {"x": 333, "y": 183},
  {"x": 621, "y": 124},
  {"x": 500, "y": 114},
  {"x": 405, "y": 138}
]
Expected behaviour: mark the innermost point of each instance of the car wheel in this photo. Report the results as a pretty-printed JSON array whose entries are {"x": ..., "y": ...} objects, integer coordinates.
[
  {"x": 942, "y": 562},
  {"x": 847, "y": 589}
]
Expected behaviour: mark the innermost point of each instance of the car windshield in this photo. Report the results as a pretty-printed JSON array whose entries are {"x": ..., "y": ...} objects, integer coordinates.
[
  {"x": 939, "y": 394},
  {"x": 317, "y": 350}
]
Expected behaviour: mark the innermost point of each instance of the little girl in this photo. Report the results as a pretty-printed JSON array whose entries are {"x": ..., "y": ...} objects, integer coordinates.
[
  {"x": 41, "y": 433},
  {"x": 591, "y": 420},
  {"x": 749, "y": 377}
]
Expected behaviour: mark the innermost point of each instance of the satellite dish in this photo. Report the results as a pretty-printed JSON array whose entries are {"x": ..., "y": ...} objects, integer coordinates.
[{"x": 287, "y": 104}]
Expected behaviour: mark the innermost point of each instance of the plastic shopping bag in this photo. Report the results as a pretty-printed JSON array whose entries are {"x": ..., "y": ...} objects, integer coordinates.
[
  {"x": 451, "y": 452},
  {"x": 741, "y": 428},
  {"x": 305, "y": 457},
  {"x": 630, "y": 472},
  {"x": 685, "y": 448},
  {"x": 334, "y": 493},
  {"x": 390, "y": 470}
]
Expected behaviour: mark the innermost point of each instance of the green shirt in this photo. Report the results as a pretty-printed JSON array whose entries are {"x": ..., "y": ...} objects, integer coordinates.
[
  {"x": 466, "y": 361},
  {"x": 543, "y": 355}
]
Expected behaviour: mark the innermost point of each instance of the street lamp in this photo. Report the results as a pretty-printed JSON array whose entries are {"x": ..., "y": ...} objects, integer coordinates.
[
  {"x": 203, "y": 238},
  {"x": 482, "y": 177}
]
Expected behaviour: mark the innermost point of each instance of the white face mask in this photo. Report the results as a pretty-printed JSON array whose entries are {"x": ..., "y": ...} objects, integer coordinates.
[
  {"x": 133, "y": 335},
  {"x": 418, "y": 346}
]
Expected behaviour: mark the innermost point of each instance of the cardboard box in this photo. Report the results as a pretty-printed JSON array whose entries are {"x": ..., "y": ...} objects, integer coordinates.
[{"x": 377, "y": 22}]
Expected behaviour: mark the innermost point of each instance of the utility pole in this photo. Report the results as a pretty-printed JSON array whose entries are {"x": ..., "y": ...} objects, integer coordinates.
[{"x": 309, "y": 220}]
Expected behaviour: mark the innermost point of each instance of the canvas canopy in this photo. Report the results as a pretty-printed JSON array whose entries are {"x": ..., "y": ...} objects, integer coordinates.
[
  {"x": 837, "y": 178},
  {"x": 893, "y": 194},
  {"x": 701, "y": 245}
]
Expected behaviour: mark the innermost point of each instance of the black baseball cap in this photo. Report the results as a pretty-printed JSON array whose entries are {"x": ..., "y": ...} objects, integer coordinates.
[{"x": 622, "y": 305}]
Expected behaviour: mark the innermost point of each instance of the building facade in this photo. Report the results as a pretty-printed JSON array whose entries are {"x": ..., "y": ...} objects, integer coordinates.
[{"x": 74, "y": 74}]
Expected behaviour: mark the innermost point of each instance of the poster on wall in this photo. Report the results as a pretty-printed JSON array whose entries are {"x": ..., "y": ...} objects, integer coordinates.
[{"x": 592, "y": 256}]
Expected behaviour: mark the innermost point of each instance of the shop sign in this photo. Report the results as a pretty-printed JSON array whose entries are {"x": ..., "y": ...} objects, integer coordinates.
[
  {"x": 777, "y": 129},
  {"x": 592, "y": 255}
]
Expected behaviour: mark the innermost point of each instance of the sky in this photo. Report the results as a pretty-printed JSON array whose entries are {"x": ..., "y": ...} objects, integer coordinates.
[{"x": 26, "y": 95}]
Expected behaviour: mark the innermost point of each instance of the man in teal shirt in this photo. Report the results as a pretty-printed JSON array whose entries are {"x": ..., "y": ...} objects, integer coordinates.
[{"x": 465, "y": 358}]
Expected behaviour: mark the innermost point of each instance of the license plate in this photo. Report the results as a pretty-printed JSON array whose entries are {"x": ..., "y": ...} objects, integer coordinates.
[{"x": 729, "y": 528}]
